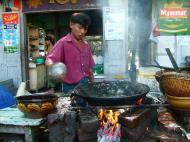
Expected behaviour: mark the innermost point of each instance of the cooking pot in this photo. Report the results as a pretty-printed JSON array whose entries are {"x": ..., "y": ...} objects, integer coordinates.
[
  {"x": 57, "y": 72},
  {"x": 111, "y": 93},
  {"x": 37, "y": 105},
  {"x": 179, "y": 103}
]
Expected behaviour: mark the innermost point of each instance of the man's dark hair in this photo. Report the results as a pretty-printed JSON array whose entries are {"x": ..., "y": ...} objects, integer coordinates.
[{"x": 81, "y": 18}]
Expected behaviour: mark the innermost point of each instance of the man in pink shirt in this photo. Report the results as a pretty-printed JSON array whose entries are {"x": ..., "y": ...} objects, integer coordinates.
[{"x": 75, "y": 53}]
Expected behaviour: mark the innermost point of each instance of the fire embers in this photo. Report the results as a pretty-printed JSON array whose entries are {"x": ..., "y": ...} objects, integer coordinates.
[{"x": 110, "y": 130}]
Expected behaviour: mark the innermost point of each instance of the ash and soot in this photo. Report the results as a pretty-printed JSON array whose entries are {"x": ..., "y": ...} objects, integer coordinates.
[{"x": 112, "y": 89}]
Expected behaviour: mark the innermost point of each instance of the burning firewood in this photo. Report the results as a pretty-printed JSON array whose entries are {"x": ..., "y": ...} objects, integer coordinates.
[{"x": 110, "y": 130}]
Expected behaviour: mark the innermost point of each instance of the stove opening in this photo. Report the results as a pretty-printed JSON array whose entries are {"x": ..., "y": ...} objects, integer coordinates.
[{"x": 110, "y": 129}]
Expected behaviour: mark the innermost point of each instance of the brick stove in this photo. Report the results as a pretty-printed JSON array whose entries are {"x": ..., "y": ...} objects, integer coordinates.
[
  {"x": 88, "y": 126},
  {"x": 183, "y": 117},
  {"x": 71, "y": 124},
  {"x": 136, "y": 124}
]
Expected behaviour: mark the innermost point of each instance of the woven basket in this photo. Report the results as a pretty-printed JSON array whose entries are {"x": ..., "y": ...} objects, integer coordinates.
[
  {"x": 158, "y": 77},
  {"x": 176, "y": 84}
]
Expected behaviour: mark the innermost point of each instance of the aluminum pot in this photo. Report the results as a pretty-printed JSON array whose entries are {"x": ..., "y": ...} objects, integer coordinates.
[{"x": 57, "y": 72}]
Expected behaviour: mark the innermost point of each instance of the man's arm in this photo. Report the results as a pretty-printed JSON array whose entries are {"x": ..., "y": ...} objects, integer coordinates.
[
  {"x": 56, "y": 55},
  {"x": 91, "y": 76},
  {"x": 91, "y": 65}
]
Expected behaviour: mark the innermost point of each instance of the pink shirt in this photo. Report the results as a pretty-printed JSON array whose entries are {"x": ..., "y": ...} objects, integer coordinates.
[{"x": 77, "y": 60}]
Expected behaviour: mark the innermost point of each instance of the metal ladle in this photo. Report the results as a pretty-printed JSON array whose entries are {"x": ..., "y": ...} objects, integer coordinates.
[{"x": 176, "y": 68}]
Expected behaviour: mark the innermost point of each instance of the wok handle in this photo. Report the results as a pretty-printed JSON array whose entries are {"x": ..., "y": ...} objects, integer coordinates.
[{"x": 161, "y": 67}]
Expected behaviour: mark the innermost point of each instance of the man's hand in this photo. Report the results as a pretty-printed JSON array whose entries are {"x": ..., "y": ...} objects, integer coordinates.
[
  {"x": 49, "y": 63},
  {"x": 91, "y": 76}
]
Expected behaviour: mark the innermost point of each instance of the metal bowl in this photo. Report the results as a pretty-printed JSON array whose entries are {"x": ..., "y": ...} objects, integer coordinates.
[
  {"x": 37, "y": 106},
  {"x": 57, "y": 72}
]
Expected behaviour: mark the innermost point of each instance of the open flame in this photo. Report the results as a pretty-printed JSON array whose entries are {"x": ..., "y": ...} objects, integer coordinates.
[{"x": 109, "y": 128}]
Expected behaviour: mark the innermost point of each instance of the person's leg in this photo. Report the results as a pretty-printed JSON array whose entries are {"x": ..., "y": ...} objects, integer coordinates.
[
  {"x": 84, "y": 80},
  {"x": 68, "y": 87}
]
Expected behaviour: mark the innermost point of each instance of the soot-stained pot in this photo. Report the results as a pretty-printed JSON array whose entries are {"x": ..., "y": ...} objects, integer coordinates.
[
  {"x": 111, "y": 93},
  {"x": 37, "y": 105}
]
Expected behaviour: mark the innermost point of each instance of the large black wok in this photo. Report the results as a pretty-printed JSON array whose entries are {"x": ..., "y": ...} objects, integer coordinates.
[{"x": 111, "y": 93}]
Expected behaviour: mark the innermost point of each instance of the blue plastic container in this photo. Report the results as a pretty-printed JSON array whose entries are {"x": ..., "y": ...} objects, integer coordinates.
[{"x": 6, "y": 98}]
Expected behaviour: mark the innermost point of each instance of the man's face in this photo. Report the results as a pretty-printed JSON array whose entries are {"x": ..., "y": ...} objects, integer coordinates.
[
  {"x": 78, "y": 31},
  {"x": 47, "y": 42}
]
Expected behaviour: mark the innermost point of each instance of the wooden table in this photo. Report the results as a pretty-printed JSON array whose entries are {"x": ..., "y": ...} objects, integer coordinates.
[{"x": 12, "y": 121}]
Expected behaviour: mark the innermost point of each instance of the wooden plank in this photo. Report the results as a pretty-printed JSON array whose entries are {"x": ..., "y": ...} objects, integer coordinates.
[
  {"x": 12, "y": 129},
  {"x": 31, "y": 134},
  {"x": 28, "y": 135},
  {"x": 13, "y": 116}
]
